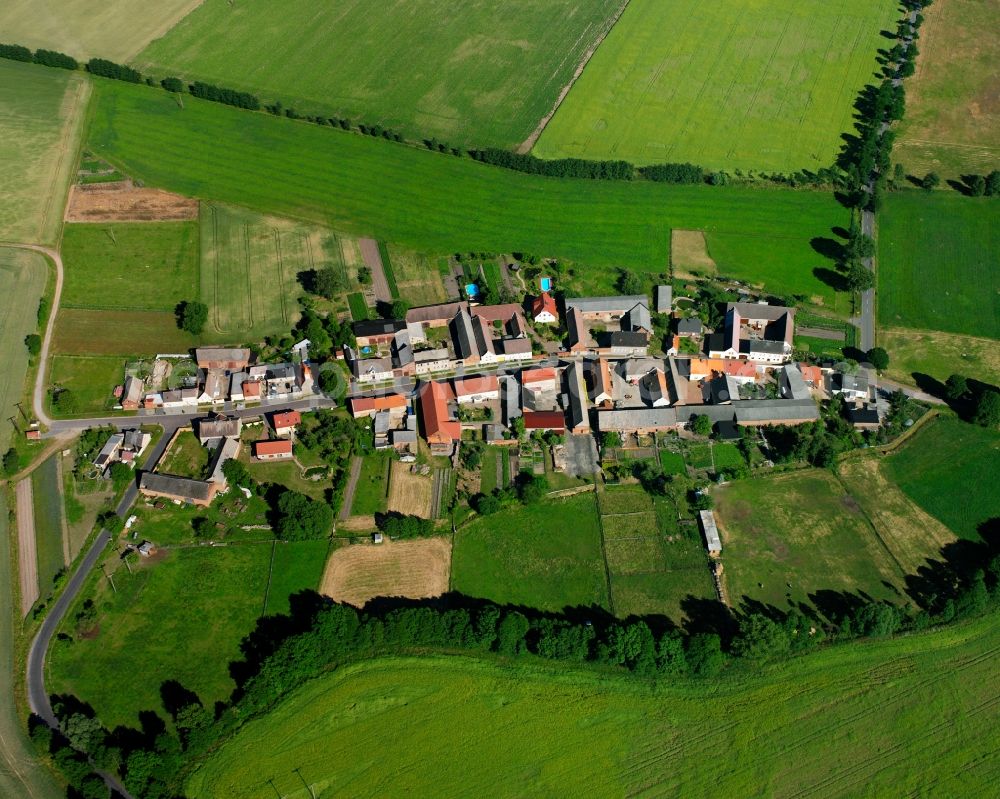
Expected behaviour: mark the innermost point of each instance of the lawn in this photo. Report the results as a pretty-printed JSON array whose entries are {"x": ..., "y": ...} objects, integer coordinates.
[
  {"x": 370, "y": 494},
  {"x": 41, "y": 119},
  {"x": 84, "y": 331},
  {"x": 900, "y": 717},
  {"x": 949, "y": 469},
  {"x": 117, "y": 29},
  {"x": 937, "y": 263},
  {"x": 788, "y": 537},
  {"x": 952, "y": 123},
  {"x": 672, "y": 462},
  {"x": 726, "y": 455},
  {"x": 359, "y": 306},
  {"x": 437, "y": 203},
  {"x": 47, "y": 498},
  {"x": 546, "y": 556},
  {"x": 91, "y": 379},
  {"x": 186, "y": 457},
  {"x": 474, "y": 73},
  {"x": 940, "y": 355},
  {"x": 139, "y": 266},
  {"x": 297, "y": 566},
  {"x": 22, "y": 280},
  {"x": 732, "y": 85}
]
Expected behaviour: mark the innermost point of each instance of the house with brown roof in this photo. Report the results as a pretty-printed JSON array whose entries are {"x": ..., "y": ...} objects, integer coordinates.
[
  {"x": 215, "y": 387},
  {"x": 180, "y": 489},
  {"x": 132, "y": 393},
  {"x": 275, "y": 450},
  {"x": 219, "y": 426},
  {"x": 553, "y": 421},
  {"x": 432, "y": 316},
  {"x": 285, "y": 422},
  {"x": 440, "y": 430},
  {"x": 230, "y": 359},
  {"x": 542, "y": 379},
  {"x": 368, "y": 406},
  {"x": 544, "y": 310}
]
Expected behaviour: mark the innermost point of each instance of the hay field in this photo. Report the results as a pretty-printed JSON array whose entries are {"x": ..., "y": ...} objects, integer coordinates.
[
  {"x": 115, "y": 29},
  {"x": 83, "y": 331},
  {"x": 473, "y": 73},
  {"x": 912, "y": 716},
  {"x": 435, "y": 203},
  {"x": 939, "y": 355},
  {"x": 937, "y": 263},
  {"x": 952, "y": 123},
  {"x": 417, "y": 569},
  {"x": 41, "y": 121},
  {"x": 123, "y": 201},
  {"x": 738, "y": 84},
  {"x": 689, "y": 253},
  {"x": 409, "y": 493}
]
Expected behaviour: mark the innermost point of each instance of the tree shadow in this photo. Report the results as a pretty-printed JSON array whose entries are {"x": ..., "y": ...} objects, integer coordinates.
[
  {"x": 827, "y": 247},
  {"x": 832, "y": 278},
  {"x": 961, "y": 187}
]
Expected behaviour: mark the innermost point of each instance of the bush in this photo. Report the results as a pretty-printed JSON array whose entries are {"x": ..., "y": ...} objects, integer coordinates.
[
  {"x": 172, "y": 84},
  {"x": 109, "y": 69},
  {"x": 396, "y": 525},
  {"x": 11, "y": 462},
  {"x": 206, "y": 91},
  {"x": 52, "y": 58},
  {"x": 34, "y": 344},
  {"x": 15, "y": 52},
  {"x": 561, "y": 168},
  {"x": 673, "y": 173}
]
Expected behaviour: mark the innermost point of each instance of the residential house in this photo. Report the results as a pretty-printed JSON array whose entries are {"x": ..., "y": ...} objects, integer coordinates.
[
  {"x": 180, "y": 398},
  {"x": 275, "y": 450},
  {"x": 473, "y": 341},
  {"x": 178, "y": 489},
  {"x": 864, "y": 418},
  {"x": 109, "y": 452},
  {"x": 401, "y": 352},
  {"x": 544, "y": 310},
  {"x": 214, "y": 387},
  {"x": 430, "y": 361},
  {"x": 653, "y": 389},
  {"x": 638, "y": 320},
  {"x": 720, "y": 390},
  {"x": 376, "y": 332},
  {"x": 218, "y": 426},
  {"x": 440, "y": 430},
  {"x": 756, "y": 332},
  {"x": 251, "y": 390},
  {"x": 576, "y": 398},
  {"x": 368, "y": 370},
  {"x": 228, "y": 449},
  {"x": 740, "y": 371},
  {"x": 284, "y": 423},
  {"x": 362, "y": 406},
  {"x": 636, "y": 420},
  {"x": 606, "y": 309},
  {"x": 811, "y": 375},
  {"x": 791, "y": 383},
  {"x": 602, "y": 390},
  {"x": 540, "y": 380},
  {"x": 236, "y": 381},
  {"x": 850, "y": 387},
  {"x": 132, "y": 393},
  {"x": 577, "y": 332},
  {"x": 628, "y": 344},
  {"x": 224, "y": 358},
  {"x": 477, "y": 388},
  {"x": 689, "y": 327}
]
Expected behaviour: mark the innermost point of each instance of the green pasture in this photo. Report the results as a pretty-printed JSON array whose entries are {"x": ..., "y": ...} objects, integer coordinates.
[
  {"x": 91, "y": 379},
  {"x": 949, "y": 469},
  {"x": 546, "y": 556},
  {"x": 787, "y": 537},
  {"x": 88, "y": 331},
  {"x": 47, "y": 498},
  {"x": 739, "y": 84},
  {"x": 437, "y": 203},
  {"x": 475, "y": 73},
  {"x": 897, "y": 717},
  {"x": 41, "y": 120},
  {"x": 370, "y": 493},
  {"x": 297, "y": 566},
  {"x": 938, "y": 254}
]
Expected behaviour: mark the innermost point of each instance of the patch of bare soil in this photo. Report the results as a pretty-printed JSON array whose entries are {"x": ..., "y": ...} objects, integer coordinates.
[{"x": 123, "y": 201}]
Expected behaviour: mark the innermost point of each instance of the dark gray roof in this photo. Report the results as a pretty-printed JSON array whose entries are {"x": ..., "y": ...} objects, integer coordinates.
[
  {"x": 629, "y": 338},
  {"x": 625, "y": 419},
  {"x": 172, "y": 485},
  {"x": 606, "y": 304},
  {"x": 690, "y": 325},
  {"x": 219, "y": 428},
  {"x": 862, "y": 416},
  {"x": 759, "y": 345},
  {"x": 664, "y": 298},
  {"x": 776, "y": 410},
  {"x": 464, "y": 334},
  {"x": 638, "y": 318},
  {"x": 793, "y": 386},
  {"x": 760, "y": 311},
  {"x": 377, "y": 327}
]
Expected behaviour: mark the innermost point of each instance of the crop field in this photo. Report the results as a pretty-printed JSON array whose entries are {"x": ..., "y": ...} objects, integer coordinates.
[
  {"x": 731, "y": 85},
  {"x": 475, "y": 73},
  {"x": 418, "y": 276},
  {"x": 940, "y": 467},
  {"x": 910, "y": 716},
  {"x": 939, "y": 355},
  {"x": 787, "y": 537},
  {"x": 417, "y": 569},
  {"x": 408, "y": 492},
  {"x": 296, "y": 566},
  {"x": 82, "y": 331},
  {"x": 47, "y": 496},
  {"x": 937, "y": 263},
  {"x": 90, "y": 378},
  {"x": 436, "y": 203},
  {"x": 545, "y": 556},
  {"x": 117, "y": 29},
  {"x": 952, "y": 123},
  {"x": 41, "y": 121},
  {"x": 22, "y": 280}
]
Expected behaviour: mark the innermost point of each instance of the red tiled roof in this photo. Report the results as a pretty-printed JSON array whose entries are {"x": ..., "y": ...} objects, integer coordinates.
[
  {"x": 251, "y": 388},
  {"x": 538, "y": 375},
  {"x": 438, "y": 427},
  {"x": 382, "y": 403},
  {"x": 739, "y": 368},
  {"x": 280, "y": 447},
  {"x": 544, "y": 420},
  {"x": 544, "y": 302},
  {"x": 477, "y": 384},
  {"x": 287, "y": 419}
]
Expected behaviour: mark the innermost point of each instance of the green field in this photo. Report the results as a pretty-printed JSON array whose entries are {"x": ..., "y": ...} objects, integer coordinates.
[
  {"x": 41, "y": 119},
  {"x": 91, "y": 379},
  {"x": 22, "y": 280},
  {"x": 937, "y": 263},
  {"x": 296, "y": 566},
  {"x": 47, "y": 498},
  {"x": 939, "y": 355},
  {"x": 370, "y": 493},
  {"x": 474, "y": 73},
  {"x": 949, "y": 469},
  {"x": 741, "y": 84},
  {"x": 437, "y": 204},
  {"x": 784, "y": 538},
  {"x": 84, "y": 331},
  {"x": 672, "y": 462},
  {"x": 115, "y": 29},
  {"x": 952, "y": 122},
  {"x": 545, "y": 556},
  {"x": 912, "y": 716},
  {"x": 186, "y": 457}
]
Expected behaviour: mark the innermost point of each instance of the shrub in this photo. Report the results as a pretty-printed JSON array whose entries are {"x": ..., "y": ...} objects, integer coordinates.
[
  {"x": 52, "y": 58},
  {"x": 109, "y": 69},
  {"x": 15, "y": 52}
]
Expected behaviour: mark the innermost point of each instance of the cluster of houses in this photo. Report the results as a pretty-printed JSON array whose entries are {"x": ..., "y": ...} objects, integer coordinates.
[
  {"x": 123, "y": 447},
  {"x": 604, "y": 379}
]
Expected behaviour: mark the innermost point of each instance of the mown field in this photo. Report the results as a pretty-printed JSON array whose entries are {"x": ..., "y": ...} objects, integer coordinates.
[
  {"x": 438, "y": 203},
  {"x": 949, "y": 469},
  {"x": 91, "y": 378},
  {"x": 931, "y": 352},
  {"x": 913, "y": 716},
  {"x": 937, "y": 263},
  {"x": 115, "y": 29},
  {"x": 952, "y": 122},
  {"x": 545, "y": 556},
  {"x": 41, "y": 121},
  {"x": 735, "y": 85},
  {"x": 473, "y": 73},
  {"x": 788, "y": 537}
]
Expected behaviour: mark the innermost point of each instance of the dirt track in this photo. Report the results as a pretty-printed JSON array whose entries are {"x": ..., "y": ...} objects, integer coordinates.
[
  {"x": 125, "y": 202},
  {"x": 27, "y": 556},
  {"x": 373, "y": 260}
]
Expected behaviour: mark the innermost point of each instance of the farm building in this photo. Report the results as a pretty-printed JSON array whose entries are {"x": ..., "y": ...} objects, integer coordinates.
[
  {"x": 576, "y": 399},
  {"x": 689, "y": 327},
  {"x": 225, "y": 358},
  {"x": 132, "y": 393},
  {"x": 214, "y": 389},
  {"x": 440, "y": 430},
  {"x": 664, "y": 298},
  {"x": 478, "y": 388},
  {"x": 544, "y": 379},
  {"x": 372, "y": 332},
  {"x": 628, "y": 344},
  {"x": 636, "y": 420},
  {"x": 432, "y": 315},
  {"x": 577, "y": 332},
  {"x": 792, "y": 384},
  {"x": 473, "y": 339},
  {"x": 607, "y": 309},
  {"x": 228, "y": 449},
  {"x": 278, "y": 449},
  {"x": 180, "y": 489},
  {"x": 220, "y": 426},
  {"x": 509, "y": 318},
  {"x": 545, "y": 420},
  {"x": 865, "y": 418},
  {"x": 756, "y": 332},
  {"x": 712, "y": 541}
]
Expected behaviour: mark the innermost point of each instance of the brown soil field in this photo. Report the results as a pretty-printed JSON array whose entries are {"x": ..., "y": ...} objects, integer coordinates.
[
  {"x": 408, "y": 492},
  {"x": 688, "y": 250},
  {"x": 126, "y": 202},
  {"x": 415, "y": 569}
]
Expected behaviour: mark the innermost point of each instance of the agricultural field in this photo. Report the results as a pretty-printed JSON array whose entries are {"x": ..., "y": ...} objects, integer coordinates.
[
  {"x": 88, "y": 332},
  {"x": 91, "y": 378},
  {"x": 937, "y": 263},
  {"x": 22, "y": 281},
  {"x": 952, "y": 123},
  {"x": 41, "y": 121},
  {"x": 418, "y": 276},
  {"x": 409, "y": 493},
  {"x": 117, "y": 29},
  {"x": 909, "y": 716},
  {"x": 250, "y": 267},
  {"x": 47, "y": 497},
  {"x": 417, "y": 569},
  {"x": 473, "y": 74},
  {"x": 940, "y": 470},
  {"x": 296, "y": 566},
  {"x": 940, "y": 355},
  {"x": 545, "y": 556},
  {"x": 370, "y": 493},
  {"x": 731, "y": 85},
  {"x": 788, "y": 537},
  {"x": 435, "y": 203}
]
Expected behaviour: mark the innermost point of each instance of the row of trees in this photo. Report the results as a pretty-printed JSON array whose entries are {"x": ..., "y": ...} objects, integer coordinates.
[
  {"x": 48, "y": 58},
  {"x": 218, "y": 94},
  {"x": 559, "y": 168},
  {"x": 109, "y": 69}
]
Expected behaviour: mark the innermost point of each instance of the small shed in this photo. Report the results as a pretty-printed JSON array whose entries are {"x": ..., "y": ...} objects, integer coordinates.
[
  {"x": 376, "y": 538},
  {"x": 712, "y": 540},
  {"x": 664, "y": 298}
]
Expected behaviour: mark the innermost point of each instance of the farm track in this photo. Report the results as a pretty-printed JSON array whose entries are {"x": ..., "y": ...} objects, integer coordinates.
[
  {"x": 350, "y": 488},
  {"x": 27, "y": 554}
]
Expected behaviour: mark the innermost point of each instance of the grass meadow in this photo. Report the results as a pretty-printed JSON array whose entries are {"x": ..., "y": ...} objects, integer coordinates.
[
  {"x": 477, "y": 73},
  {"x": 949, "y": 469},
  {"x": 732, "y": 85},
  {"x": 939, "y": 355},
  {"x": 296, "y": 567},
  {"x": 370, "y": 493},
  {"x": 91, "y": 378},
  {"x": 22, "y": 281},
  {"x": 437, "y": 203},
  {"x": 937, "y": 263},
  {"x": 47, "y": 499},
  {"x": 41, "y": 121},
  {"x": 787, "y": 537},
  {"x": 952, "y": 123},
  {"x": 545, "y": 556},
  {"x": 903, "y": 717}
]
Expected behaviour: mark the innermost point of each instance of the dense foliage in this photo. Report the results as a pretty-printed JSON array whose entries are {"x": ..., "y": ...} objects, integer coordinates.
[
  {"x": 217, "y": 94},
  {"x": 561, "y": 168},
  {"x": 53, "y": 58},
  {"x": 109, "y": 69}
]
